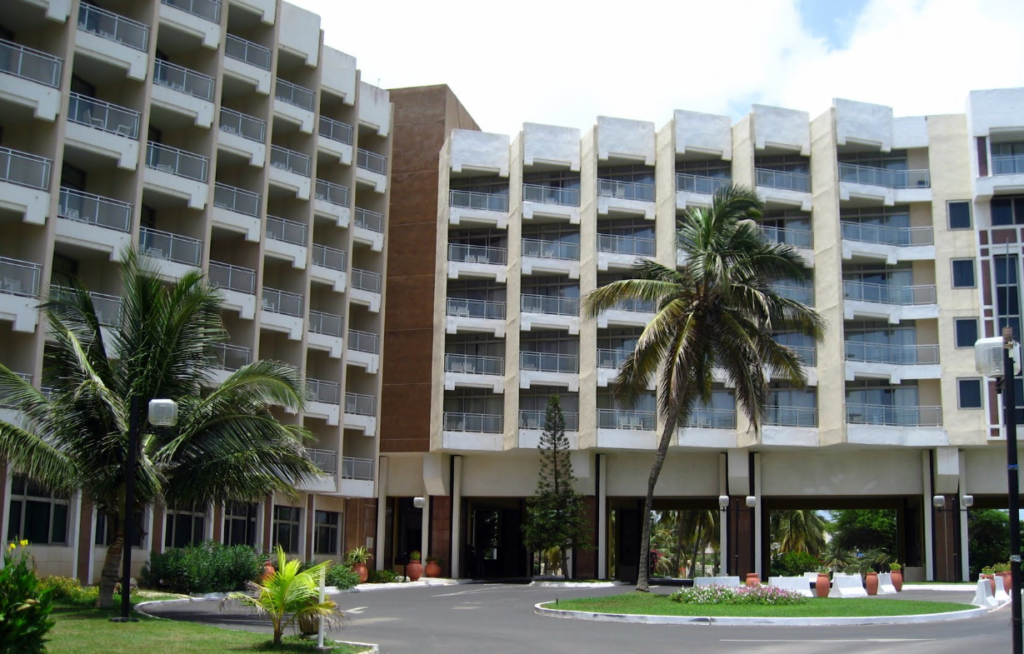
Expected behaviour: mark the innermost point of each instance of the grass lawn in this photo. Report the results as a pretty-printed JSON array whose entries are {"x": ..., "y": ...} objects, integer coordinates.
[
  {"x": 88, "y": 631},
  {"x": 652, "y": 604}
]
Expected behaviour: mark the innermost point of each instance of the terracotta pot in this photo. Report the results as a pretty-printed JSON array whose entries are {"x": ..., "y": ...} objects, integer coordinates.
[
  {"x": 822, "y": 585},
  {"x": 1007, "y": 580},
  {"x": 360, "y": 569},
  {"x": 268, "y": 569},
  {"x": 414, "y": 570},
  {"x": 897, "y": 580},
  {"x": 308, "y": 625},
  {"x": 991, "y": 582},
  {"x": 753, "y": 579},
  {"x": 871, "y": 581},
  {"x": 433, "y": 569}
]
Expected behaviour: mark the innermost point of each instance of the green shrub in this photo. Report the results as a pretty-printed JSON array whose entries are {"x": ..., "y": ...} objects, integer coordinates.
[
  {"x": 793, "y": 564},
  {"x": 25, "y": 605},
  {"x": 382, "y": 577},
  {"x": 206, "y": 568},
  {"x": 342, "y": 576},
  {"x": 62, "y": 589}
]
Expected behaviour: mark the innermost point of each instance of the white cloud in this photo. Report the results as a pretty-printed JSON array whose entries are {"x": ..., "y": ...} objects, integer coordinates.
[{"x": 566, "y": 63}]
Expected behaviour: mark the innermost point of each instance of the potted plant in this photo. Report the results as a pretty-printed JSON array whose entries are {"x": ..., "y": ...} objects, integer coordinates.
[
  {"x": 357, "y": 559},
  {"x": 414, "y": 569},
  {"x": 434, "y": 564},
  {"x": 897, "y": 576},
  {"x": 822, "y": 584},
  {"x": 753, "y": 579},
  {"x": 871, "y": 582},
  {"x": 1003, "y": 570}
]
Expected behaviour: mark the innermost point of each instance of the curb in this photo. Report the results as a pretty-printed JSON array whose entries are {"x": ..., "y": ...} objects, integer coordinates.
[{"x": 576, "y": 584}]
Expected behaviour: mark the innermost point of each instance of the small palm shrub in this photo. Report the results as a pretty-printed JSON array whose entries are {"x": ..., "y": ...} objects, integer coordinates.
[
  {"x": 62, "y": 589},
  {"x": 743, "y": 595},
  {"x": 342, "y": 577},
  {"x": 25, "y": 605},
  {"x": 206, "y": 568}
]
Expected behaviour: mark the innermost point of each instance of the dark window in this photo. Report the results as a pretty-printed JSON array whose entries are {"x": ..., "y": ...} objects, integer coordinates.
[
  {"x": 959, "y": 215},
  {"x": 240, "y": 524},
  {"x": 1008, "y": 211},
  {"x": 326, "y": 532},
  {"x": 105, "y": 536},
  {"x": 286, "y": 528},
  {"x": 963, "y": 273},
  {"x": 36, "y": 514},
  {"x": 966, "y": 331},
  {"x": 184, "y": 527},
  {"x": 969, "y": 391}
]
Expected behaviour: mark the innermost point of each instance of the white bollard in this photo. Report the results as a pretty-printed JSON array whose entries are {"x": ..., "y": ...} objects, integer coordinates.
[
  {"x": 983, "y": 595},
  {"x": 800, "y": 585},
  {"x": 885, "y": 586},
  {"x": 844, "y": 585},
  {"x": 1001, "y": 595}
]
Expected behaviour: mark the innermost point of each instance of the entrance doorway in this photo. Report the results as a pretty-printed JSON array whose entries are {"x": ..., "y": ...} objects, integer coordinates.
[{"x": 493, "y": 539}]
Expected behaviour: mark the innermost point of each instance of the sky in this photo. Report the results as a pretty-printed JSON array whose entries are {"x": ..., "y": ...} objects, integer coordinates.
[{"x": 565, "y": 63}]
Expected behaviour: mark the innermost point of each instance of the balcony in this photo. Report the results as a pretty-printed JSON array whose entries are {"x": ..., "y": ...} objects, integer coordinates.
[
  {"x": 361, "y": 413},
  {"x": 30, "y": 78},
  {"x": 364, "y": 350},
  {"x": 697, "y": 189},
  {"x": 465, "y": 315},
  {"x": 791, "y": 416},
  {"x": 617, "y": 198},
  {"x": 780, "y": 187},
  {"x": 295, "y": 104},
  {"x": 94, "y": 222},
  {"x": 708, "y": 428},
  {"x": 329, "y": 267},
  {"x": 237, "y": 286},
  {"x": 799, "y": 238},
  {"x": 104, "y": 129},
  {"x": 790, "y": 426},
  {"x": 891, "y": 244},
  {"x": 19, "y": 290},
  {"x": 802, "y": 294},
  {"x": 290, "y": 170},
  {"x": 551, "y": 202},
  {"x": 323, "y": 400},
  {"x": 178, "y": 173},
  {"x": 1007, "y": 176},
  {"x": 369, "y": 229},
  {"x": 626, "y": 429},
  {"x": 324, "y": 333},
  {"x": 372, "y": 169},
  {"x": 227, "y": 358},
  {"x": 173, "y": 254},
  {"x": 335, "y": 138},
  {"x": 549, "y": 369},
  {"x": 333, "y": 201},
  {"x": 243, "y": 135},
  {"x": 481, "y": 261},
  {"x": 550, "y": 257},
  {"x": 628, "y": 313},
  {"x": 24, "y": 184},
  {"x": 908, "y": 426},
  {"x": 286, "y": 239},
  {"x": 881, "y": 185},
  {"x": 107, "y": 307},
  {"x": 894, "y": 362},
  {"x": 113, "y": 39},
  {"x": 327, "y": 462},
  {"x": 237, "y": 210},
  {"x": 622, "y": 252},
  {"x": 197, "y": 18},
  {"x": 282, "y": 311},
  {"x": 366, "y": 289},
  {"x": 183, "y": 91},
  {"x": 471, "y": 371},
  {"x": 531, "y": 427},
  {"x": 473, "y": 431},
  {"x": 357, "y": 477},
  {"x": 550, "y": 312},
  {"x": 890, "y": 302},
  {"x": 248, "y": 62},
  {"x": 490, "y": 209}
]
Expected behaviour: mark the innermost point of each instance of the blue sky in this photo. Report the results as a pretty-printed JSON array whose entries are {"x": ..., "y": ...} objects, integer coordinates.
[{"x": 832, "y": 20}]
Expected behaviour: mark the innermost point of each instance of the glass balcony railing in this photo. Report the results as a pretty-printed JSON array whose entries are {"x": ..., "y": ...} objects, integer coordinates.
[
  {"x": 328, "y": 257},
  {"x": 612, "y": 188},
  {"x": 707, "y": 418},
  {"x": 790, "y": 416},
  {"x": 94, "y": 209},
  {"x": 371, "y": 161},
  {"x": 103, "y": 116},
  {"x": 361, "y": 341},
  {"x": 332, "y": 193},
  {"x": 808, "y": 354},
  {"x": 617, "y": 244},
  {"x": 465, "y": 308},
  {"x": 546, "y": 362},
  {"x": 170, "y": 247},
  {"x": 289, "y": 160},
  {"x": 247, "y": 51},
  {"x": 474, "y": 365},
  {"x": 230, "y": 357},
  {"x": 237, "y": 200},
  {"x": 113, "y": 27},
  {"x": 293, "y": 94},
  {"x": 325, "y": 460},
  {"x": 886, "y": 294},
  {"x": 176, "y": 162},
  {"x": 24, "y": 169},
  {"x": 637, "y": 306},
  {"x": 798, "y": 238},
  {"x": 208, "y": 9},
  {"x": 106, "y": 307},
  {"x": 536, "y": 420},
  {"x": 700, "y": 183},
  {"x": 476, "y": 423},
  {"x": 626, "y": 419},
  {"x": 283, "y": 302},
  {"x": 370, "y": 220},
  {"x": 288, "y": 231},
  {"x": 182, "y": 79},
  {"x": 1009, "y": 164},
  {"x": 335, "y": 130},
  {"x": 360, "y": 405},
  {"x": 486, "y": 254},
  {"x": 780, "y": 179},
  {"x": 244, "y": 125},
  {"x": 899, "y": 236},
  {"x": 901, "y": 355},
  {"x": 801, "y": 294},
  {"x": 549, "y": 305},
  {"x": 19, "y": 277},
  {"x": 318, "y": 390},
  {"x": 366, "y": 280},
  {"x": 357, "y": 469},
  {"x": 26, "y": 63},
  {"x": 558, "y": 250},
  {"x": 479, "y": 201},
  {"x": 894, "y": 416},
  {"x": 611, "y": 359},
  {"x": 232, "y": 278},
  {"x": 328, "y": 324},
  {"x": 566, "y": 197},
  {"x": 873, "y": 176}
]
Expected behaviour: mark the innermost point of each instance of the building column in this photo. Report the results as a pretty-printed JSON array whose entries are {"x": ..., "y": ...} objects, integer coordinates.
[
  {"x": 723, "y": 517},
  {"x": 308, "y": 531},
  {"x": 456, "y": 515},
  {"x": 926, "y": 479},
  {"x": 425, "y": 529},
  {"x": 758, "y": 524},
  {"x": 965, "y": 553},
  {"x": 382, "y": 512},
  {"x": 602, "y": 516}
]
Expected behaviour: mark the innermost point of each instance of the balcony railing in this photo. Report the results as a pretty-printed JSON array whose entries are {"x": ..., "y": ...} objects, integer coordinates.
[
  {"x": 798, "y": 238},
  {"x": 371, "y": 161},
  {"x": 176, "y": 162},
  {"x": 477, "y": 254},
  {"x": 182, "y": 79},
  {"x": 894, "y": 416},
  {"x": 700, "y": 183},
  {"x": 290, "y": 160},
  {"x": 283, "y": 302},
  {"x": 247, "y": 51},
  {"x": 536, "y": 420},
  {"x": 360, "y": 405},
  {"x": 358, "y": 469},
  {"x": 288, "y": 231},
  {"x": 613, "y": 188},
  {"x": 808, "y": 354},
  {"x": 325, "y": 460},
  {"x": 549, "y": 305},
  {"x": 106, "y": 307},
  {"x": 328, "y": 257},
  {"x": 642, "y": 247},
  {"x": 545, "y": 362},
  {"x": 636, "y": 306},
  {"x": 335, "y": 130},
  {"x": 801, "y": 294},
  {"x": 900, "y": 236},
  {"x": 103, "y": 116},
  {"x": 477, "y": 423},
  {"x": 707, "y": 418},
  {"x": 170, "y": 247},
  {"x": 474, "y": 365},
  {"x": 230, "y": 357},
  {"x": 113, "y": 27},
  {"x": 626, "y": 419},
  {"x": 361, "y": 341},
  {"x": 566, "y": 197},
  {"x": 464, "y": 308},
  {"x": 5, "y": 400},
  {"x": 244, "y": 125},
  {"x": 318, "y": 390},
  {"x": 886, "y": 294},
  {"x": 232, "y": 278},
  {"x": 24, "y": 169},
  {"x": 366, "y": 280},
  {"x": 94, "y": 209},
  {"x": 208, "y": 9},
  {"x": 883, "y": 177},
  {"x": 781, "y": 179},
  {"x": 328, "y": 324},
  {"x": 1008, "y": 164},
  {"x": 611, "y": 359},
  {"x": 790, "y": 416},
  {"x": 370, "y": 220},
  {"x": 480, "y": 201},
  {"x": 332, "y": 193},
  {"x": 902, "y": 355},
  {"x": 30, "y": 64},
  {"x": 19, "y": 277},
  {"x": 237, "y": 200},
  {"x": 294, "y": 94},
  {"x": 558, "y": 250}
]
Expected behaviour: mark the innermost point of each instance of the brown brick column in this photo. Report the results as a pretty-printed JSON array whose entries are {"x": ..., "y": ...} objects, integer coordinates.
[
  {"x": 441, "y": 530},
  {"x": 585, "y": 560}
]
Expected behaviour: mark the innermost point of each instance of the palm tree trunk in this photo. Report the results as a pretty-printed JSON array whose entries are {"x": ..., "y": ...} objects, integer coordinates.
[
  {"x": 696, "y": 548},
  {"x": 679, "y": 539},
  {"x": 642, "y": 584},
  {"x": 565, "y": 563},
  {"x": 111, "y": 569}
]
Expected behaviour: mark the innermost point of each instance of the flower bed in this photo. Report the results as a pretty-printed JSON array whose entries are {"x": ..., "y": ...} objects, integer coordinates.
[{"x": 743, "y": 595}]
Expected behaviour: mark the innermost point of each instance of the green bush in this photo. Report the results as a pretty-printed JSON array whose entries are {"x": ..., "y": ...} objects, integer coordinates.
[
  {"x": 342, "y": 576},
  {"x": 793, "y": 564},
  {"x": 25, "y": 605},
  {"x": 382, "y": 577},
  {"x": 62, "y": 589},
  {"x": 206, "y": 568}
]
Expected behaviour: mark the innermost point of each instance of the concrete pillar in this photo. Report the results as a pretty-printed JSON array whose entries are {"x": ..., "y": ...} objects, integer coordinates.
[
  {"x": 456, "y": 515},
  {"x": 723, "y": 516},
  {"x": 926, "y": 479},
  {"x": 758, "y": 536},
  {"x": 602, "y": 516},
  {"x": 965, "y": 553},
  {"x": 382, "y": 512},
  {"x": 425, "y": 529}
]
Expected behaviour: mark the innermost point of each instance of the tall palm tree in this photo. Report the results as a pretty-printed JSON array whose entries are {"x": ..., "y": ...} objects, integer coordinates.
[
  {"x": 699, "y": 527},
  {"x": 798, "y": 530},
  {"x": 227, "y": 445},
  {"x": 717, "y": 311}
]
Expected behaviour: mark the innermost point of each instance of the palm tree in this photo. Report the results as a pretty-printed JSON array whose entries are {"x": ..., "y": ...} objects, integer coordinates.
[
  {"x": 699, "y": 527},
  {"x": 227, "y": 445},
  {"x": 717, "y": 311},
  {"x": 798, "y": 530}
]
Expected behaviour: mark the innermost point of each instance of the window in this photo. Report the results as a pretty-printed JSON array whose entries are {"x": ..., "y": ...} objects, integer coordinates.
[
  {"x": 1008, "y": 211},
  {"x": 959, "y": 215},
  {"x": 286, "y": 528},
  {"x": 969, "y": 393},
  {"x": 37, "y": 514},
  {"x": 966, "y": 331},
  {"x": 105, "y": 536},
  {"x": 326, "y": 532},
  {"x": 184, "y": 527},
  {"x": 963, "y": 273},
  {"x": 240, "y": 523}
]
